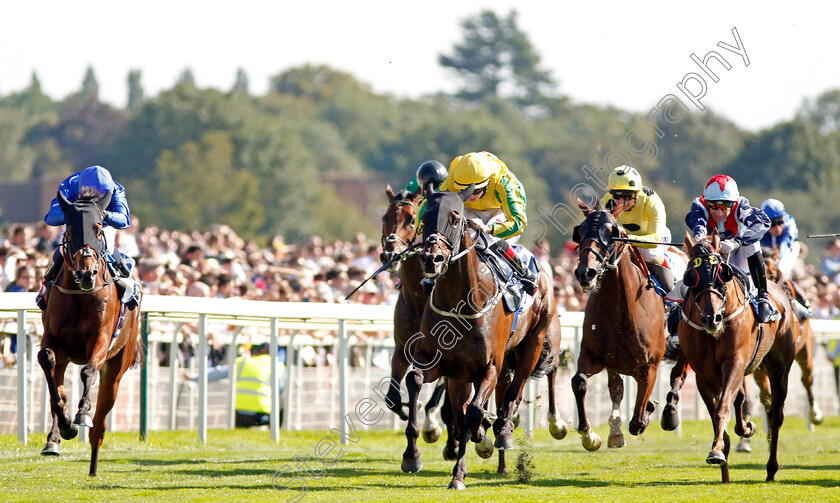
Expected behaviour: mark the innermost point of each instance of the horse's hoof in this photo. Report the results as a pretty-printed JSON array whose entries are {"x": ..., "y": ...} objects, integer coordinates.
[
  {"x": 83, "y": 420},
  {"x": 616, "y": 441},
  {"x": 411, "y": 465},
  {"x": 70, "y": 433},
  {"x": 51, "y": 449},
  {"x": 558, "y": 429},
  {"x": 744, "y": 445},
  {"x": 670, "y": 418},
  {"x": 432, "y": 436},
  {"x": 485, "y": 448},
  {"x": 591, "y": 441},
  {"x": 477, "y": 434},
  {"x": 458, "y": 485},
  {"x": 751, "y": 429},
  {"x": 450, "y": 452},
  {"x": 816, "y": 416},
  {"x": 716, "y": 458},
  {"x": 503, "y": 442}
]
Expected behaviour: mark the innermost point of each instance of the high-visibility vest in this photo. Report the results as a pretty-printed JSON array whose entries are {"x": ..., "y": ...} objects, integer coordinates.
[{"x": 253, "y": 384}]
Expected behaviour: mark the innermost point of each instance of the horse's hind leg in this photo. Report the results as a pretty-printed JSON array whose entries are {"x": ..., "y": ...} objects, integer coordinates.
[
  {"x": 108, "y": 387},
  {"x": 450, "y": 450},
  {"x": 556, "y": 426},
  {"x": 616, "y": 386},
  {"x": 431, "y": 427},
  {"x": 670, "y": 415},
  {"x": 805, "y": 359},
  {"x": 54, "y": 373},
  {"x": 776, "y": 416},
  {"x": 393, "y": 399},
  {"x": 89, "y": 375}
]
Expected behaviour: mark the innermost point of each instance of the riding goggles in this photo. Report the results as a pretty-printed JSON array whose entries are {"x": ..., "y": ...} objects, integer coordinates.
[
  {"x": 623, "y": 194},
  {"x": 777, "y": 221},
  {"x": 720, "y": 205}
]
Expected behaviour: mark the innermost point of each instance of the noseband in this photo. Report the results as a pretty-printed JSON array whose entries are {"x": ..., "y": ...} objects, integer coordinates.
[
  {"x": 714, "y": 261},
  {"x": 392, "y": 239},
  {"x": 605, "y": 262},
  {"x": 83, "y": 252}
]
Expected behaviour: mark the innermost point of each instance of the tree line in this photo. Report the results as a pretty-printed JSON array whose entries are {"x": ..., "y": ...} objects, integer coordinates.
[{"x": 190, "y": 157}]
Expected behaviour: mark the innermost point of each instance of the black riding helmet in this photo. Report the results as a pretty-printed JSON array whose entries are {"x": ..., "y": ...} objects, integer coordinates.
[{"x": 431, "y": 172}]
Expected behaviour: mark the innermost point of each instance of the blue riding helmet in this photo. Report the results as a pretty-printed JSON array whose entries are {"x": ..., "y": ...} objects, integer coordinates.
[
  {"x": 97, "y": 177},
  {"x": 774, "y": 209}
]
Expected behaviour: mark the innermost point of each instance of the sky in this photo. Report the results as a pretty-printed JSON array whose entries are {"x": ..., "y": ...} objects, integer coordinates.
[{"x": 626, "y": 54}]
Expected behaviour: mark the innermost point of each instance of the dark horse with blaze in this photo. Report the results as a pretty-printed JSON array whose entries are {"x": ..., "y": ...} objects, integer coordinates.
[
  {"x": 623, "y": 327},
  {"x": 81, "y": 325},
  {"x": 398, "y": 235},
  {"x": 468, "y": 336},
  {"x": 723, "y": 342}
]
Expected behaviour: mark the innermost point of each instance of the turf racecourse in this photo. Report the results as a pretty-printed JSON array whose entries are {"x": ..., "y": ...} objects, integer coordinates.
[{"x": 241, "y": 466}]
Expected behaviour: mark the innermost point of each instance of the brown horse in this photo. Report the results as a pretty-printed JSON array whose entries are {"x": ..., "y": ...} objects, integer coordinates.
[
  {"x": 722, "y": 341},
  {"x": 80, "y": 323},
  {"x": 466, "y": 335},
  {"x": 623, "y": 327},
  {"x": 398, "y": 234}
]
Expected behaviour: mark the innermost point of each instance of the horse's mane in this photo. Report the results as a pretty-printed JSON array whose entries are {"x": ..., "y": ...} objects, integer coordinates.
[
  {"x": 405, "y": 195},
  {"x": 89, "y": 194}
]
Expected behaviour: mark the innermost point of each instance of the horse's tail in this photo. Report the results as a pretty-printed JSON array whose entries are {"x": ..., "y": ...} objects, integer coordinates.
[
  {"x": 548, "y": 360},
  {"x": 139, "y": 353}
]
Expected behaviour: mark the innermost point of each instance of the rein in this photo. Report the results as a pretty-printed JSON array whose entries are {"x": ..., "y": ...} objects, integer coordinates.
[
  {"x": 712, "y": 289},
  {"x": 100, "y": 260}
]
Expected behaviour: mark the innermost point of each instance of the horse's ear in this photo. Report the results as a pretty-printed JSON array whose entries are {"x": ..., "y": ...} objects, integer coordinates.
[
  {"x": 466, "y": 193},
  {"x": 689, "y": 243},
  {"x": 390, "y": 193},
  {"x": 714, "y": 240},
  {"x": 104, "y": 201},
  {"x": 63, "y": 202},
  {"x": 430, "y": 189},
  {"x": 454, "y": 218},
  {"x": 583, "y": 207}
]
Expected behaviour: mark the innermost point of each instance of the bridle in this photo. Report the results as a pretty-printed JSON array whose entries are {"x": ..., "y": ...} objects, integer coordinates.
[
  {"x": 71, "y": 259},
  {"x": 392, "y": 239},
  {"x": 715, "y": 262}
]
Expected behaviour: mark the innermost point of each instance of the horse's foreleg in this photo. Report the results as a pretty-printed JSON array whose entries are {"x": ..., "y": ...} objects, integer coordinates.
[
  {"x": 393, "y": 399},
  {"x": 670, "y": 414},
  {"x": 476, "y": 412},
  {"x": 616, "y": 386},
  {"x": 459, "y": 394},
  {"x": 54, "y": 374},
  {"x": 556, "y": 425},
  {"x": 590, "y": 440},
  {"x": 776, "y": 416},
  {"x": 744, "y": 428},
  {"x": 431, "y": 426},
  {"x": 108, "y": 387},
  {"x": 411, "y": 462},
  {"x": 89, "y": 374},
  {"x": 450, "y": 450},
  {"x": 733, "y": 378}
]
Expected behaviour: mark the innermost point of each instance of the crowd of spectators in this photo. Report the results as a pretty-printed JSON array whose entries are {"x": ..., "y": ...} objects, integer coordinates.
[{"x": 219, "y": 263}]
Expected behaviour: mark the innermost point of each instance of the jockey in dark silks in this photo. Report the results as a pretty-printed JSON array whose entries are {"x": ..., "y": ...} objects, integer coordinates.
[{"x": 117, "y": 215}]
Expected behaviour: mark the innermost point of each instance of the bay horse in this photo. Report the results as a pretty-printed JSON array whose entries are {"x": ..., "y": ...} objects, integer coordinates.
[
  {"x": 723, "y": 342},
  {"x": 80, "y": 323},
  {"x": 466, "y": 335},
  {"x": 624, "y": 323},
  {"x": 398, "y": 234}
]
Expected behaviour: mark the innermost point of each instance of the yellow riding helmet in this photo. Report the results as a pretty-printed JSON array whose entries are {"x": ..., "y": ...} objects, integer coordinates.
[
  {"x": 625, "y": 178},
  {"x": 470, "y": 168}
]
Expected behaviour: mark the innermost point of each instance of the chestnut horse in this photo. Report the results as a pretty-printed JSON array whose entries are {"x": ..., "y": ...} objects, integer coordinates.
[
  {"x": 80, "y": 323},
  {"x": 722, "y": 341},
  {"x": 398, "y": 234},
  {"x": 466, "y": 335},
  {"x": 623, "y": 327}
]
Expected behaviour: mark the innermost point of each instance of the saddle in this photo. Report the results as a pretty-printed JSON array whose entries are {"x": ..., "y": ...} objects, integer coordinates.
[{"x": 506, "y": 279}]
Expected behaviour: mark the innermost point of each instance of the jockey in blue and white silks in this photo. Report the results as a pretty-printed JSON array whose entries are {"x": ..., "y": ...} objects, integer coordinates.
[
  {"x": 116, "y": 216},
  {"x": 782, "y": 235}
]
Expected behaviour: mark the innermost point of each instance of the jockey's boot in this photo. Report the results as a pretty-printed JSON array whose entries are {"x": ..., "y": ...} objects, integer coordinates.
[
  {"x": 663, "y": 275},
  {"x": 529, "y": 278},
  {"x": 49, "y": 277},
  {"x": 799, "y": 298},
  {"x": 122, "y": 267},
  {"x": 767, "y": 312},
  {"x": 672, "y": 343}
]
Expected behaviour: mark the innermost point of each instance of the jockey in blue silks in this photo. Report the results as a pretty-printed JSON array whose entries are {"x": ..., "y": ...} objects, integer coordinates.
[
  {"x": 117, "y": 215},
  {"x": 784, "y": 236}
]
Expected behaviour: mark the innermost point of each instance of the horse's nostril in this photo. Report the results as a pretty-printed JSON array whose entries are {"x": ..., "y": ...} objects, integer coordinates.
[{"x": 438, "y": 258}]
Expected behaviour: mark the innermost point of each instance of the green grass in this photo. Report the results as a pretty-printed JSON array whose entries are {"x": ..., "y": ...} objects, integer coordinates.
[{"x": 240, "y": 466}]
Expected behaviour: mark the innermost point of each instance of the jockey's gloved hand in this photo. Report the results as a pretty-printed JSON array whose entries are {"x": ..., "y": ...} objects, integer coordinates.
[
  {"x": 729, "y": 246},
  {"x": 477, "y": 224},
  {"x": 700, "y": 236}
]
